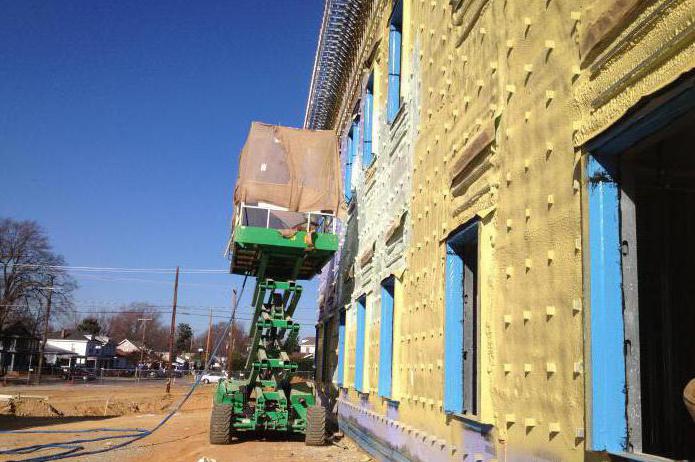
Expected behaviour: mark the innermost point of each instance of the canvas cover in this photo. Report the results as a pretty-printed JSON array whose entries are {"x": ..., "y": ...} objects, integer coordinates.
[{"x": 298, "y": 169}]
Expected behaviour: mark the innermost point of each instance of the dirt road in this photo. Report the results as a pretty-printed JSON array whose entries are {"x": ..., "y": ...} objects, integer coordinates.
[{"x": 183, "y": 438}]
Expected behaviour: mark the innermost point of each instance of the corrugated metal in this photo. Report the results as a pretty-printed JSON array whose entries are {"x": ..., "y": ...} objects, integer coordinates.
[{"x": 339, "y": 40}]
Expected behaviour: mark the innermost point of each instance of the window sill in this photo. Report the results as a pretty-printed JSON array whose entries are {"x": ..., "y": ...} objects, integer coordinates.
[
  {"x": 641, "y": 457},
  {"x": 391, "y": 402},
  {"x": 371, "y": 162},
  {"x": 470, "y": 422},
  {"x": 397, "y": 118}
]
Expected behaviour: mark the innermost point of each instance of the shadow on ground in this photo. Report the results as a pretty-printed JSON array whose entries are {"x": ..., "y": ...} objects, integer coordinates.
[{"x": 10, "y": 422}]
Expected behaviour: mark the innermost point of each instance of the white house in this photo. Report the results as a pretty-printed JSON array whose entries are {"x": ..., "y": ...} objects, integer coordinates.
[
  {"x": 307, "y": 346},
  {"x": 91, "y": 351},
  {"x": 128, "y": 347}
]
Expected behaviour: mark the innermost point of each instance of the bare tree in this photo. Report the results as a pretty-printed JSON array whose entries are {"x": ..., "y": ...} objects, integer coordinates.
[
  {"x": 29, "y": 271},
  {"x": 125, "y": 325},
  {"x": 239, "y": 334}
]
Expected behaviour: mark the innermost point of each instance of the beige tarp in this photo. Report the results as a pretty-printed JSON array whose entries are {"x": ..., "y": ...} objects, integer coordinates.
[{"x": 294, "y": 168}]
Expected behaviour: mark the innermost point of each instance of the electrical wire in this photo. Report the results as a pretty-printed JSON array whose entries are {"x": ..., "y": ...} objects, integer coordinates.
[
  {"x": 74, "y": 448},
  {"x": 97, "y": 269}
]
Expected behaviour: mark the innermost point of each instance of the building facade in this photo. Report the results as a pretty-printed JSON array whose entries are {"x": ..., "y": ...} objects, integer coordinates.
[
  {"x": 514, "y": 280},
  {"x": 19, "y": 349},
  {"x": 85, "y": 350}
]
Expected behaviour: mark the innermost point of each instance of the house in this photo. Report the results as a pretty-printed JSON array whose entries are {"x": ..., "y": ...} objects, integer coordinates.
[
  {"x": 307, "y": 346},
  {"x": 128, "y": 347},
  {"x": 91, "y": 351},
  {"x": 514, "y": 280},
  {"x": 19, "y": 348}
]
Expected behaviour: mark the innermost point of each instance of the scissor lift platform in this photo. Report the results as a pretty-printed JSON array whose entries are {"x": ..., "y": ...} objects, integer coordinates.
[
  {"x": 277, "y": 248},
  {"x": 281, "y": 245},
  {"x": 266, "y": 251}
]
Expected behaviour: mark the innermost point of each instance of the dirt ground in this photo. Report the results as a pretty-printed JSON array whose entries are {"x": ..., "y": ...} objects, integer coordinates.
[{"x": 183, "y": 438}]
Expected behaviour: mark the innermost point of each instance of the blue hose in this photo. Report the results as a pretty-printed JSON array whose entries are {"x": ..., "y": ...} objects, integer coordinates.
[{"x": 75, "y": 448}]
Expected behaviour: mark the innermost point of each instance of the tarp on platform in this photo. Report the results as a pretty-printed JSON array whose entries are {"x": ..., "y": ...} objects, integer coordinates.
[{"x": 298, "y": 169}]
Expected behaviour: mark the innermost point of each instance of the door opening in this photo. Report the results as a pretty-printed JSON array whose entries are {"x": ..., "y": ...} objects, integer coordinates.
[{"x": 657, "y": 202}]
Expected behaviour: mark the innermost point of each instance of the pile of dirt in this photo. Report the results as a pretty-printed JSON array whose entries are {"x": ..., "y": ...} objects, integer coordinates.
[
  {"x": 109, "y": 406},
  {"x": 29, "y": 407},
  {"x": 120, "y": 406}
]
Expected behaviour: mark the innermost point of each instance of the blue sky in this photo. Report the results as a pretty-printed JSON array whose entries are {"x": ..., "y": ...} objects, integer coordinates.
[{"x": 120, "y": 126}]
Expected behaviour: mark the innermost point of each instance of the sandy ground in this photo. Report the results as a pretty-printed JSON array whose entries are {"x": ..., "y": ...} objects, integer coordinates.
[{"x": 183, "y": 438}]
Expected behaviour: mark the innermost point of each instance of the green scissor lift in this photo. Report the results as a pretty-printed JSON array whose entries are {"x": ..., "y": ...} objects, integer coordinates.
[{"x": 265, "y": 399}]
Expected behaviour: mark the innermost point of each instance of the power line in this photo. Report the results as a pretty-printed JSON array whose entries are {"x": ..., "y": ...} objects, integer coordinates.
[
  {"x": 185, "y": 313},
  {"x": 147, "y": 306},
  {"x": 126, "y": 270},
  {"x": 150, "y": 281}
]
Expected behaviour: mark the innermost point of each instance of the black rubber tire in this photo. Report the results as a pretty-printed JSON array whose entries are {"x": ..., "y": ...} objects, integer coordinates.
[
  {"x": 315, "y": 426},
  {"x": 206, "y": 381},
  {"x": 221, "y": 424}
]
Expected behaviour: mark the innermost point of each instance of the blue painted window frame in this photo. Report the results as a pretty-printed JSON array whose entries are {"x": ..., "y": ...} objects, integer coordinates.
[
  {"x": 348, "y": 166},
  {"x": 350, "y": 149},
  {"x": 456, "y": 400},
  {"x": 341, "y": 349},
  {"x": 368, "y": 122},
  {"x": 393, "y": 100},
  {"x": 361, "y": 307},
  {"x": 609, "y": 419},
  {"x": 388, "y": 300},
  {"x": 608, "y": 401}
]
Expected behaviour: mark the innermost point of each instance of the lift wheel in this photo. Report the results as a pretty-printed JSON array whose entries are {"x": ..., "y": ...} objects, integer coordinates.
[
  {"x": 315, "y": 426},
  {"x": 221, "y": 424}
]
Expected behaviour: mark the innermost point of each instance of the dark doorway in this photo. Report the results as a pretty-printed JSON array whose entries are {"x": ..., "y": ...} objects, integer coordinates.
[{"x": 657, "y": 176}]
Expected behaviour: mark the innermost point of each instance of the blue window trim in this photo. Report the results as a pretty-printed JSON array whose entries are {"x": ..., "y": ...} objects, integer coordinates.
[
  {"x": 356, "y": 126},
  {"x": 350, "y": 156},
  {"x": 609, "y": 428},
  {"x": 393, "y": 102},
  {"x": 368, "y": 122},
  {"x": 388, "y": 299},
  {"x": 453, "y": 318},
  {"x": 609, "y": 420},
  {"x": 341, "y": 348},
  {"x": 361, "y": 307}
]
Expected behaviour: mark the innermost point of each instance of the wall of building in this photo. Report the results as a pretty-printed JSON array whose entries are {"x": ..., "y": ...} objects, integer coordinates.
[
  {"x": 500, "y": 99},
  {"x": 630, "y": 51},
  {"x": 379, "y": 208}
]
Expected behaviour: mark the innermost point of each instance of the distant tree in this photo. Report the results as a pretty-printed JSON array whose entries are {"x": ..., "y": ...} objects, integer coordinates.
[
  {"x": 89, "y": 326},
  {"x": 184, "y": 334},
  {"x": 304, "y": 363},
  {"x": 292, "y": 343},
  {"x": 127, "y": 324},
  {"x": 30, "y": 273},
  {"x": 239, "y": 335}
]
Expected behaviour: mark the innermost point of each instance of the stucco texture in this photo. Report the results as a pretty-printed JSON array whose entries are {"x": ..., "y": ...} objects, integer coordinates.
[{"x": 500, "y": 99}]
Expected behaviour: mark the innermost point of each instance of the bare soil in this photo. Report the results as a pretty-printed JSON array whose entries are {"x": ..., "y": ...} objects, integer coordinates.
[{"x": 183, "y": 438}]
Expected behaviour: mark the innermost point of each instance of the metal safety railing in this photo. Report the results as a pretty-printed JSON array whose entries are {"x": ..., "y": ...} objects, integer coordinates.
[{"x": 272, "y": 218}]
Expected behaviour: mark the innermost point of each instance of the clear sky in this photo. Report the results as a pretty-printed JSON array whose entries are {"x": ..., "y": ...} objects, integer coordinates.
[{"x": 120, "y": 126}]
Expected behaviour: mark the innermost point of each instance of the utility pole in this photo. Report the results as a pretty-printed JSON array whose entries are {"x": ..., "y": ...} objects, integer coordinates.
[
  {"x": 232, "y": 338},
  {"x": 142, "y": 347},
  {"x": 173, "y": 329},
  {"x": 207, "y": 344},
  {"x": 45, "y": 329}
]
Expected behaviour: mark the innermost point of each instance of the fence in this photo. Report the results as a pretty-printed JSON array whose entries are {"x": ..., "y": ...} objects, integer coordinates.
[{"x": 53, "y": 375}]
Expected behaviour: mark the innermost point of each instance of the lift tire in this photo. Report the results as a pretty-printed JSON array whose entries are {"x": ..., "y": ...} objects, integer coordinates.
[
  {"x": 315, "y": 426},
  {"x": 221, "y": 424}
]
